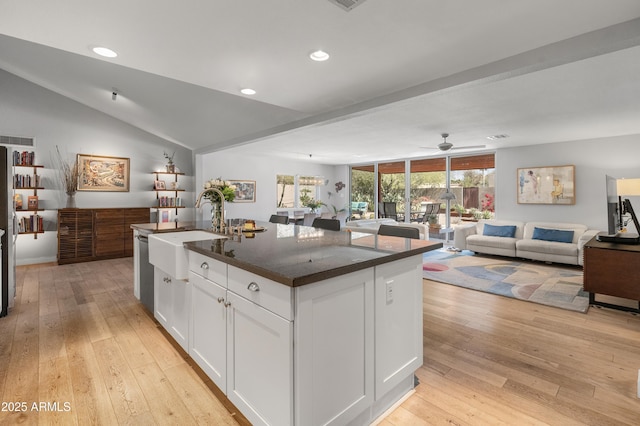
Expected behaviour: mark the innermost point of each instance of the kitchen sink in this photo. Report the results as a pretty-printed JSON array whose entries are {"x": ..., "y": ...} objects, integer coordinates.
[{"x": 166, "y": 251}]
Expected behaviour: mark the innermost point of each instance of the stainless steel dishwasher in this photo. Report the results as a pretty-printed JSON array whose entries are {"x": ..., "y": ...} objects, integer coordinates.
[{"x": 145, "y": 271}]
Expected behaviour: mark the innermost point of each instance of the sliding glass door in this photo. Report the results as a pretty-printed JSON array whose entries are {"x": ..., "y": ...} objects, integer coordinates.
[
  {"x": 416, "y": 190},
  {"x": 363, "y": 192},
  {"x": 391, "y": 190}
]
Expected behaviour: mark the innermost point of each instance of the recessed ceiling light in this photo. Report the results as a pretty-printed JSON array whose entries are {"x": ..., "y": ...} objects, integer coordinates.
[
  {"x": 103, "y": 51},
  {"x": 248, "y": 91},
  {"x": 319, "y": 56},
  {"x": 496, "y": 137}
]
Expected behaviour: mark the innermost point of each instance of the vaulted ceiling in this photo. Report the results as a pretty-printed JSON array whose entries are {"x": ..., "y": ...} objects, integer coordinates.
[{"x": 400, "y": 73}]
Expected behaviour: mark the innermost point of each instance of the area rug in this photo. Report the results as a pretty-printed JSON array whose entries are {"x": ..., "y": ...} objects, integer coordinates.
[{"x": 547, "y": 284}]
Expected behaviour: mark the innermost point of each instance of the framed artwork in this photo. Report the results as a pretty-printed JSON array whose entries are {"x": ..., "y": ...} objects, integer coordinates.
[
  {"x": 245, "y": 191},
  {"x": 159, "y": 185},
  {"x": 99, "y": 173},
  {"x": 165, "y": 216},
  {"x": 546, "y": 185},
  {"x": 33, "y": 202}
]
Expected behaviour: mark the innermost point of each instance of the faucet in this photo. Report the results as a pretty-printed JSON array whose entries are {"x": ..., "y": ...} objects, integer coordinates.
[{"x": 217, "y": 227}]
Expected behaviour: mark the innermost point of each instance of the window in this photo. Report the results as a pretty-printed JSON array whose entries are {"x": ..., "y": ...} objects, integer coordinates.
[
  {"x": 285, "y": 191},
  {"x": 297, "y": 191}
]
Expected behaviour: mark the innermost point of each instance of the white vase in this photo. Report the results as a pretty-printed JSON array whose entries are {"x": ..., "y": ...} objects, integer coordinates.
[{"x": 71, "y": 200}]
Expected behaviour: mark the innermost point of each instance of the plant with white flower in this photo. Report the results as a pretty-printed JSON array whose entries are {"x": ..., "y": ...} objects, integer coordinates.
[{"x": 228, "y": 190}]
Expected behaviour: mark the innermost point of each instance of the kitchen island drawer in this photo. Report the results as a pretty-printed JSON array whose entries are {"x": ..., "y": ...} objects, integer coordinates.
[
  {"x": 269, "y": 294},
  {"x": 209, "y": 268}
]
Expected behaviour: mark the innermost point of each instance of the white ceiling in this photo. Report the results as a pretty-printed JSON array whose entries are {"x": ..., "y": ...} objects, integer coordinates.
[{"x": 400, "y": 72}]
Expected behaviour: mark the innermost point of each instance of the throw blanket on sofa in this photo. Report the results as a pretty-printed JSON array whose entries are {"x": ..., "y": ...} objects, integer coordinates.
[{"x": 553, "y": 285}]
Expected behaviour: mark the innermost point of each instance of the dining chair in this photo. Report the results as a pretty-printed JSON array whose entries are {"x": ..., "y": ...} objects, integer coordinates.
[
  {"x": 329, "y": 224},
  {"x": 308, "y": 219},
  {"x": 399, "y": 231},
  {"x": 276, "y": 218},
  {"x": 390, "y": 210},
  {"x": 430, "y": 210}
]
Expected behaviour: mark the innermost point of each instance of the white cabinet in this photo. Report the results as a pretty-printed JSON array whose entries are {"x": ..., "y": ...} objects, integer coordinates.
[
  {"x": 172, "y": 305},
  {"x": 334, "y": 341},
  {"x": 242, "y": 345},
  {"x": 398, "y": 323},
  {"x": 208, "y": 333},
  {"x": 259, "y": 355}
]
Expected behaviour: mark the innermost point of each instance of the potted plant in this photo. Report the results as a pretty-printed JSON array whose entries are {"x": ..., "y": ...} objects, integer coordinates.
[
  {"x": 313, "y": 204},
  {"x": 486, "y": 214},
  {"x": 171, "y": 168},
  {"x": 434, "y": 225},
  {"x": 458, "y": 210},
  {"x": 307, "y": 201}
]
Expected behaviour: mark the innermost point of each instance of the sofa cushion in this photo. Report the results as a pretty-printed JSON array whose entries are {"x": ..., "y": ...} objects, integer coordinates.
[
  {"x": 496, "y": 242},
  {"x": 364, "y": 223},
  {"x": 499, "y": 231},
  {"x": 549, "y": 248},
  {"x": 519, "y": 226},
  {"x": 578, "y": 229},
  {"x": 558, "y": 235}
]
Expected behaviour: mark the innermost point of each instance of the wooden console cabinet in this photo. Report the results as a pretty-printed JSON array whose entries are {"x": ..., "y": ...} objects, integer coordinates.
[
  {"x": 94, "y": 234},
  {"x": 612, "y": 269}
]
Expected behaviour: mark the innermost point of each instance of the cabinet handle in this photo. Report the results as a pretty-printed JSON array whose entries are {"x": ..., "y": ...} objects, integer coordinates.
[
  {"x": 166, "y": 280},
  {"x": 253, "y": 286},
  {"x": 204, "y": 266},
  {"x": 227, "y": 304},
  {"x": 220, "y": 299}
]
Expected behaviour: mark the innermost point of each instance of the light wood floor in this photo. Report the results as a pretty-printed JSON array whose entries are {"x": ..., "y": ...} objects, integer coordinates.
[{"x": 78, "y": 342}]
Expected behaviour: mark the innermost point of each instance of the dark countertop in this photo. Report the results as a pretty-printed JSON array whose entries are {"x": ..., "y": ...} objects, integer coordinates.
[
  {"x": 153, "y": 228},
  {"x": 296, "y": 255}
]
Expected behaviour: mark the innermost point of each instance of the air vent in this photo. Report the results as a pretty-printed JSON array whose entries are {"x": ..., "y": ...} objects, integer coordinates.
[
  {"x": 16, "y": 140},
  {"x": 347, "y": 4},
  {"x": 496, "y": 137}
]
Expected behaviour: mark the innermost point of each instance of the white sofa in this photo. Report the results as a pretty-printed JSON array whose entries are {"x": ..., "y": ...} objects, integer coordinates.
[
  {"x": 522, "y": 243},
  {"x": 371, "y": 226}
]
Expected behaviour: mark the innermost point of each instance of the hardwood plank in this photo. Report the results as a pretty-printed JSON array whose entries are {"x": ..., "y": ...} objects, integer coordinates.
[
  {"x": 132, "y": 348},
  {"x": 126, "y": 396},
  {"x": 51, "y": 337},
  {"x": 92, "y": 402},
  {"x": 165, "y": 404},
  {"x": 94, "y": 322},
  {"x": 55, "y": 403},
  {"x": 200, "y": 402}
]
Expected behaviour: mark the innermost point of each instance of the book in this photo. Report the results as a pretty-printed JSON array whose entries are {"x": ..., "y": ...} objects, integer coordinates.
[{"x": 33, "y": 202}]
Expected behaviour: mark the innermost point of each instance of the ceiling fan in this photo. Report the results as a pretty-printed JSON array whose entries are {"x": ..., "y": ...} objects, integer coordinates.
[{"x": 448, "y": 146}]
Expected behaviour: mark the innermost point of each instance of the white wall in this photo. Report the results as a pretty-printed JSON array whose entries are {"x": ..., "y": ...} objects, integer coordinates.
[
  {"x": 229, "y": 166},
  {"x": 593, "y": 159},
  {"x": 29, "y": 110}
]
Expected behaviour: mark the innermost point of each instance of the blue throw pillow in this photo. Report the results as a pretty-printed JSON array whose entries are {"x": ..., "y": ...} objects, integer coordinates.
[
  {"x": 499, "y": 231},
  {"x": 557, "y": 235}
]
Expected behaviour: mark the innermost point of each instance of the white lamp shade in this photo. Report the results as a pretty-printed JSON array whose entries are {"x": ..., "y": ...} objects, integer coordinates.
[
  {"x": 628, "y": 187},
  {"x": 448, "y": 196}
]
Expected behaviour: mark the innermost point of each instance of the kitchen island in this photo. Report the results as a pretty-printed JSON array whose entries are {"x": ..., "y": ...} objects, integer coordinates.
[{"x": 297, "y": 325}]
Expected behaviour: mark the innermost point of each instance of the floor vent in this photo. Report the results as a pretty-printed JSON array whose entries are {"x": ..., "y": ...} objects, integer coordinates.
[
  {"x": 347, "y": 4},
  {"x": 15, "y": 140}
]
